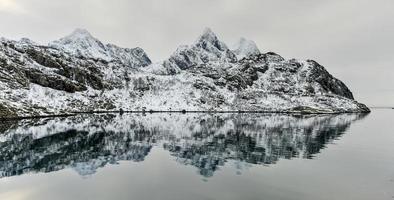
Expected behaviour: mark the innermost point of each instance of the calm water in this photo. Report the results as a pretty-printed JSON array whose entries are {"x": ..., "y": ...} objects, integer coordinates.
[{"x": 199, "y": 156}]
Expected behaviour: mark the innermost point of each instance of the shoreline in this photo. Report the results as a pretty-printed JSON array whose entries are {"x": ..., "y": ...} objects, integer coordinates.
[{"x": 176, "y": 111}]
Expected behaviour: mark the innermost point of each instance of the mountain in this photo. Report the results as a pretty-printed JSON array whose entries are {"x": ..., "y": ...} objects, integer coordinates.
[
  {"x": 207, "y": 49},
  {"x": 79, "y": 73},
  {"x": 82, "y": 44}
]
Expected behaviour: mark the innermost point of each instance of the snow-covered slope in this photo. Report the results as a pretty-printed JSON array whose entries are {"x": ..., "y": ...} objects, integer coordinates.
[
  {"x": 82, "y": 43},
  {"x": 80, "y": 73}
]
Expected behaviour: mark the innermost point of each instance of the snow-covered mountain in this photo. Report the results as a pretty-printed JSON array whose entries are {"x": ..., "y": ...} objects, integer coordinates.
[
  {"x": 79, "y": 73},
  {"x": 82, "y": 44},
  {"x": 207, "y": 49}
]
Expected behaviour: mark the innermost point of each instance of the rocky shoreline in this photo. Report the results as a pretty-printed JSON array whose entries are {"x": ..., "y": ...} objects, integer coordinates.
[{"x": 300, "y": 112}]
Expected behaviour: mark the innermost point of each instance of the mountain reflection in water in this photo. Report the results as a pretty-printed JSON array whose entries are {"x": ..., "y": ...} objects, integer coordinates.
[{"x": 206, "y": 141}]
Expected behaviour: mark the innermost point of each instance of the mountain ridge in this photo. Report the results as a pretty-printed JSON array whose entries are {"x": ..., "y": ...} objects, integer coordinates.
[{"x": 78, "y": 73}]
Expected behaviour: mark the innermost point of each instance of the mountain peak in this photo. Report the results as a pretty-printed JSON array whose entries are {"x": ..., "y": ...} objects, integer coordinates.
[
  {"x": 245, "y": 47},
  {"x": 208, "y": 36},
  {"x": 208, "y": 48},
  {"x": 208, "y": 31},
  {"x": 79, "y": 32},
  {"x": 78, "y": 36},
  {"x": 80, "y": 42}
]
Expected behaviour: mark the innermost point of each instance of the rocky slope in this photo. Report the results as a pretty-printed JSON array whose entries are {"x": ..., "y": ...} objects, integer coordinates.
[{"x": 80, "y": 73}]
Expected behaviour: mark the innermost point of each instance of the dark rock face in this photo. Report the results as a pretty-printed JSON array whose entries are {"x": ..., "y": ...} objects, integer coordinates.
[
  {"x": 54, "y": 82},
  {"x": 12, "y": 76},
  {"x": 88, "y": 75},
  {"x": 41, "y": 57},
  {"x": 6, "y": 112},
  {"x": 327, "y": 81}
]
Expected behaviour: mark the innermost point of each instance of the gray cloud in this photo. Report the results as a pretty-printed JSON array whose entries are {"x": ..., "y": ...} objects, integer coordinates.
[{"x": 353, "y": 39}]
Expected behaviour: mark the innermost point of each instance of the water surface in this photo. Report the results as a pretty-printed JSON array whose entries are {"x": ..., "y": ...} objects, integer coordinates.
[{"x": 199, "y": 156}]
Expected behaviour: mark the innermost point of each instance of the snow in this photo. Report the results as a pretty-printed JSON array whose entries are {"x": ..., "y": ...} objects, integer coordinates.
[
  {"x": 244, "y": 48},
  {"x": 82, "y": 43}
]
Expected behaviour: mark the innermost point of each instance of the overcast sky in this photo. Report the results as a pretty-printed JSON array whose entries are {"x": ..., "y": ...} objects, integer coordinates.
[{"x": 353, "y": 39}]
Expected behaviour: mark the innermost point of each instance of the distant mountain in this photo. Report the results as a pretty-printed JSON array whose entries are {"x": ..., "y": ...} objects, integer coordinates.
[{"x": 79, "y": 73}]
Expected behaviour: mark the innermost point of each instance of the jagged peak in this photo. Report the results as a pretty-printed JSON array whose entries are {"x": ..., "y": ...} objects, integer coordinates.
[
  {"x": 81, "y": 42},
  {"x": 208, "y": 36},
  {"x": 81, "y": 31},
  {"x": 79, "y": 34},
  {"x": 243, "y": 42},
  {"x": 208, "y": 33},
  {"x": 245, "y": 47},
  {"x": 210, "y": 42}
]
